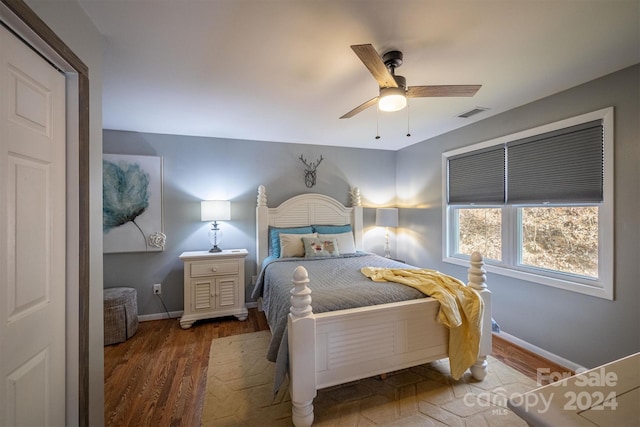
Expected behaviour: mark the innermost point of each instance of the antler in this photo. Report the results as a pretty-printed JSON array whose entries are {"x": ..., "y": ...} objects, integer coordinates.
[
  {"x": 311, "y": 166},
  {"x": 304, "y": 161}
]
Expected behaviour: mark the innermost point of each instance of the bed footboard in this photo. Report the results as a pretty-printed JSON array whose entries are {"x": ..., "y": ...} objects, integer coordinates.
[{"x": 333, "y": 348}]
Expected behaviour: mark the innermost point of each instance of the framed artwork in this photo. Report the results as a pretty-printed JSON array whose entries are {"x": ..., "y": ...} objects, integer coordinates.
[{"x": 132, "y": 203}]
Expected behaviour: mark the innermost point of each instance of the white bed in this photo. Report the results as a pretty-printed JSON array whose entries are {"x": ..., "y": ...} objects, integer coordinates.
[{"x": 322, "y": 352}]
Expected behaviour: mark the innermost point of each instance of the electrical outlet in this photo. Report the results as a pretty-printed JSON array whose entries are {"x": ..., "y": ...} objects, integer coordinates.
[{"x": 157, "y": 288}]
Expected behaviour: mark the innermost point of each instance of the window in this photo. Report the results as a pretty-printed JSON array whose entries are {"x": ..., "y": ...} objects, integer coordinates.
[
  {"x": 537, "y": 204},
  {"x": 479, "y": 230}
]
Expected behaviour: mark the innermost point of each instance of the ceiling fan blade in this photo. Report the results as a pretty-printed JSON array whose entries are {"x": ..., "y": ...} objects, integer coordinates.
[
  {"x": 371, "y": 59},
  {"x": 442, "y": 90},
  {"x": 360, "y": 108}
]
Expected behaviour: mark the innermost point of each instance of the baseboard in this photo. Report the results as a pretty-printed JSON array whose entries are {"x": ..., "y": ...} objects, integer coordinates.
[
  {"x": 159, "y": 316},
  {"x": 541, "y": 352},
  {"x": 174, "y": 314}
]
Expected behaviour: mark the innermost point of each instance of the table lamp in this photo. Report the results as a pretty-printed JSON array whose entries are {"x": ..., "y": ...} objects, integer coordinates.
[{"x": 215, "y": 210}]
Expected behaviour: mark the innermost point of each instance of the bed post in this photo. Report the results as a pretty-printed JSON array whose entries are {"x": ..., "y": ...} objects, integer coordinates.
[
  {"x": 477, "y": 280},
  {"x": 356, "y": 217},
  {"x": 262, "y": 227},
  {"x": 302, "y": 352}
]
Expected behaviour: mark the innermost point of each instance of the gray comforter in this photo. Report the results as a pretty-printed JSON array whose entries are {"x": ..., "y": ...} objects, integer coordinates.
[{"x": 336, "y": 284}]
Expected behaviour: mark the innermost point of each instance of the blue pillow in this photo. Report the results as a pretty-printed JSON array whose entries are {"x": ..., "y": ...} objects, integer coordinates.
[
  {"x": 274, "y": 237},
  {"x": 332, "y": 229}
]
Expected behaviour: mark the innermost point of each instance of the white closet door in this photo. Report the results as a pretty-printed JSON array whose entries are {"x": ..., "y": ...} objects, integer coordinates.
[{"x": 32, "y": 237}]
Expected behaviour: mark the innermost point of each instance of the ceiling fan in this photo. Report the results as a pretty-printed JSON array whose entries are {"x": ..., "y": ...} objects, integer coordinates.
[{"x": 393, "y": 89}]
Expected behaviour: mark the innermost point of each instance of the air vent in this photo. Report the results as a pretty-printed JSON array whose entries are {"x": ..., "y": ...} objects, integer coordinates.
[{"x": 473, "y": 112}]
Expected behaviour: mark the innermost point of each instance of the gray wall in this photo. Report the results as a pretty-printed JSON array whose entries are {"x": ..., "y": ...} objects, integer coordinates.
[
  {"x": 196, "y": 169},
  {"x": 583, "y": 329}
]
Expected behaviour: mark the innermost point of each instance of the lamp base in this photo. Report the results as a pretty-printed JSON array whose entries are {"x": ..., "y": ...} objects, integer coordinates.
[
  {"x": 215, "y": 237},
  {"x": 387, "y": 247}
]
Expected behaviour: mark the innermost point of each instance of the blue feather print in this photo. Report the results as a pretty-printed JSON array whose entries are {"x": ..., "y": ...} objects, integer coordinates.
[{"x": 125, "y": 194}]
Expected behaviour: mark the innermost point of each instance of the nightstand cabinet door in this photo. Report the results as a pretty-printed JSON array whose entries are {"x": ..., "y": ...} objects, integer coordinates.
[
  {"x": 227, "y": 292},
  {"x": 212, "y": 293},
  {"x": 213, "y": 285},
  {"x": 203, "y": 294}
]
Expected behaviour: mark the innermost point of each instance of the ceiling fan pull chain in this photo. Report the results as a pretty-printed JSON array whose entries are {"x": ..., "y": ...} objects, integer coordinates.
[
  {"x": 408, "y": 132},
  {"x": 377, "y": 123}
]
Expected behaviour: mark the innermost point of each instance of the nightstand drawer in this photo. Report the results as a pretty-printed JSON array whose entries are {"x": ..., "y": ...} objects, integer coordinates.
[{"x": 217, "y": 268}]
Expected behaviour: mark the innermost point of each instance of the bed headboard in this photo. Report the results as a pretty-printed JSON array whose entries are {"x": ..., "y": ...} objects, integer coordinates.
[{"x": 302, "y": 210}]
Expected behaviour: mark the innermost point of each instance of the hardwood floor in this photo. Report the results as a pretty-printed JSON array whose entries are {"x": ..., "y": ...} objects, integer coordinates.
[
  {"x": 158, "y": 376},
  {"x": 524, "y": 361}
]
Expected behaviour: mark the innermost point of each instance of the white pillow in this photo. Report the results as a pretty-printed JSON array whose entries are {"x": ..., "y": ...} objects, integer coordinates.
[
  {"x": 346, "y": 244},
  {"x": 291, "y": 244},
  {"x": 316, "y": 247}
]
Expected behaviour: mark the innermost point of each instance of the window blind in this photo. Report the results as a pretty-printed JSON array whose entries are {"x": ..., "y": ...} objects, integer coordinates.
[
  {"x": 477, "y": 177},
  {"x": 565, "y": 166},
  {"x": 562, "y": 166}
]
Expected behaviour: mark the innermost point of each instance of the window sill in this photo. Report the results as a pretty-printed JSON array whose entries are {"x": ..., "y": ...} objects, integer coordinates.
[{"x": 595, "y": 289}]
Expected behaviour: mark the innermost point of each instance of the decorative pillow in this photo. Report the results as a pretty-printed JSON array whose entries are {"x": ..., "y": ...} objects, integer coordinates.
[
  {"x": 346, "y": 244},
  {"x": 314, "y": 246},
  {"x": 332, "y": 229},
  {"x": 274, "y": 237},
  {"x": 291, "y": 244}
]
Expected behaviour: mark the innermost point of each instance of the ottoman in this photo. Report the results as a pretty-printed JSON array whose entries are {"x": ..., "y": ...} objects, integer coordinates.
[{"x": 120, "y": 314}]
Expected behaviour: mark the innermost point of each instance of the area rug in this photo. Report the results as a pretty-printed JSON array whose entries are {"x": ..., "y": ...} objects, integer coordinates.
[{"x": 240, "y": 379}]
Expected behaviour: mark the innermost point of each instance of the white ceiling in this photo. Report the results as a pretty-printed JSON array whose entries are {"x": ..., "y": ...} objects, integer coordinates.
[{"x": 283, "y": 70}]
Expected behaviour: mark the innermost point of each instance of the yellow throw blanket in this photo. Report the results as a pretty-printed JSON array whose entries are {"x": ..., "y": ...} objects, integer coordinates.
[{"x": 461, "y": 309}]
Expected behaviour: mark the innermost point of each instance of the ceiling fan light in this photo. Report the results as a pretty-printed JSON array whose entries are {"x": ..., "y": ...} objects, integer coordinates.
[{"x": 392, "y": 99}]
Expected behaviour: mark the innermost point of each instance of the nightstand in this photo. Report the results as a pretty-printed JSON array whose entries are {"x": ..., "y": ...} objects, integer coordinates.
[{"x": 213, "y": 285}]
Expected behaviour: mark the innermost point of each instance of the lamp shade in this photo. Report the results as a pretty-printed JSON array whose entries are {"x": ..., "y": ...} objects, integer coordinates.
[
  {"x": 215, "y": 210},
  {"x": 392, "y": 99},
  {"x": 387, "y": 217}
]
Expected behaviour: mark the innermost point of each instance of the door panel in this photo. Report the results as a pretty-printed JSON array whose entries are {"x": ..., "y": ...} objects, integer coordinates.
[{"x": 28, "y": 287}]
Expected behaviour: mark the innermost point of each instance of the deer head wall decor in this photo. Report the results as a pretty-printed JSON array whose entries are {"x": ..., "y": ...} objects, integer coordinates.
[{"x": 310, "y": 171}]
